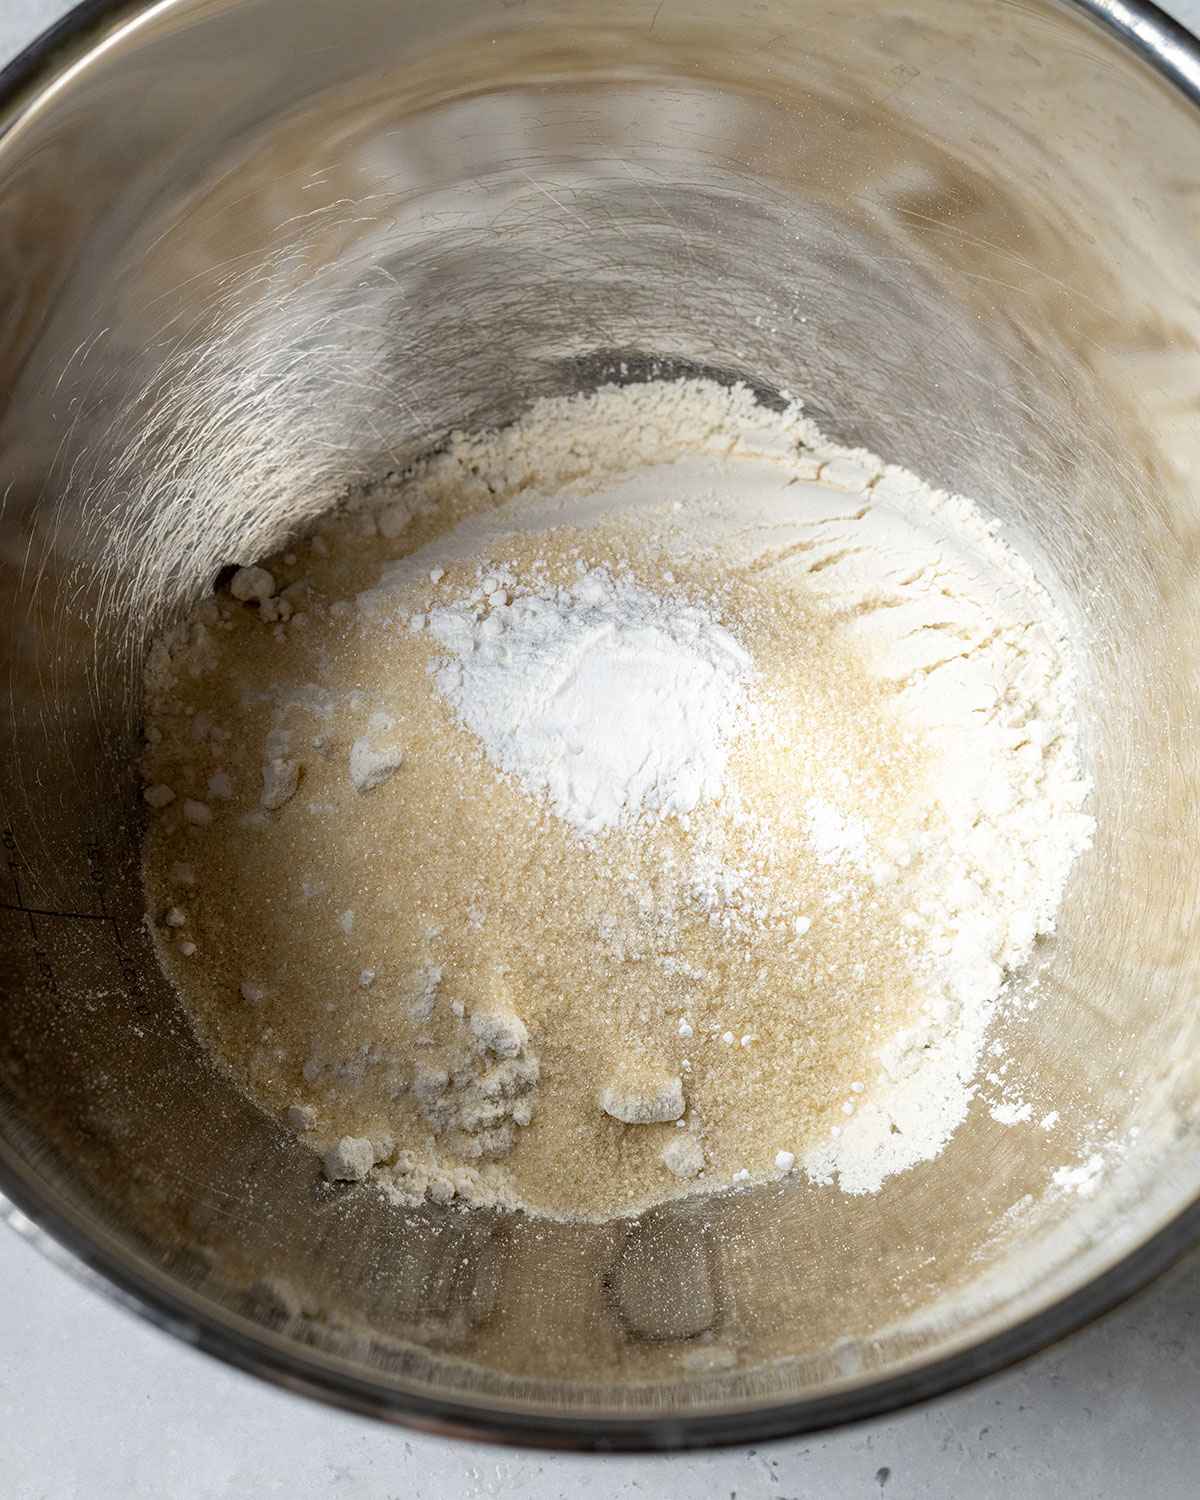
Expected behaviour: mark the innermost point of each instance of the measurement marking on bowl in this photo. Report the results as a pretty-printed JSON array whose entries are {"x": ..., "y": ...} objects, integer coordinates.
[
  {"x": 42, "y": 957},
  {"x": 54, "y": 964},
  {"x": 48, "y": 911}
]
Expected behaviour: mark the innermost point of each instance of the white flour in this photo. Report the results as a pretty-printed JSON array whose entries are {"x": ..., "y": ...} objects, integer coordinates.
[
  {"x": 606, "y": 698},
  {"x": 947, "y": 612},
  {"x": 634, "y": 709}
]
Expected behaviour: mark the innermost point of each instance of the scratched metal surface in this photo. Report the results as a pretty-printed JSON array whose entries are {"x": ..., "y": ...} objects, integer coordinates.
[{"x": 1129, "y": 1432}]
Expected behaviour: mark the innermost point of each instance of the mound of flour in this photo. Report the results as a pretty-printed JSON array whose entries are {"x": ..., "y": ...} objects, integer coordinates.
[{"x": 607, "y": 698}]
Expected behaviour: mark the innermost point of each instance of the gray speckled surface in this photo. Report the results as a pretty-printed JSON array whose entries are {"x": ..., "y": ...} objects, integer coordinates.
[{"x": 95, "y": 1405}]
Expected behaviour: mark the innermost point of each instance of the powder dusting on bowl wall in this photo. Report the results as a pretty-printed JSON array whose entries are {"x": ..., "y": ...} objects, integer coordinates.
[{"x": 646, "y": 799}]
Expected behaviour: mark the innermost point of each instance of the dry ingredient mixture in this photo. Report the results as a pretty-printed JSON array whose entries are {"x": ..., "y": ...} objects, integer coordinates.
[{"x": 644, "y": 798}]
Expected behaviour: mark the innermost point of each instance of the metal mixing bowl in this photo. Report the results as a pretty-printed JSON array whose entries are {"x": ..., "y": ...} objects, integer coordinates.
[{"x": 253, "y": 250}]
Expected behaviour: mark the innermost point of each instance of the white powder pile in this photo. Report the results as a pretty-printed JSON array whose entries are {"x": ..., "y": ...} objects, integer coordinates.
[
  {"x": 688, "y": 787},
  {"x": 610, "y": 700}
]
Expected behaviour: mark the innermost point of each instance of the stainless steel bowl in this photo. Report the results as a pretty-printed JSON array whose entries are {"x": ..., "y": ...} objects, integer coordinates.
[{"x": 254, "y": 249}]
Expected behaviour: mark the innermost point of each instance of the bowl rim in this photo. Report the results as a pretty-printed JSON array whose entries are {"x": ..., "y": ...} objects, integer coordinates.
[{"x": 66, "y": 1240}]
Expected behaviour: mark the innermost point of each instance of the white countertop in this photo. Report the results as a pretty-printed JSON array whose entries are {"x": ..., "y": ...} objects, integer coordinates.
[{"x": 95, "y": 1405}]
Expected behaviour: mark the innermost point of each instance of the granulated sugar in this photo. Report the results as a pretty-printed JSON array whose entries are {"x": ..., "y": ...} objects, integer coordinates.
[{"x": 646, "y": 798}]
